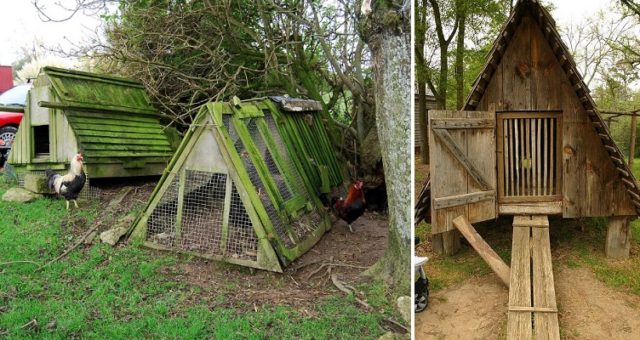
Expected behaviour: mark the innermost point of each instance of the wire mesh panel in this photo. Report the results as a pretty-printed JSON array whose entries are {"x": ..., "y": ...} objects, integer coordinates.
[
  {"x": 297, "y": 182},
  {"x": 242, "y": 241},
  {"x": 203, "y": 211},
  {"x": 162, "y": 221},
  {"x": 306, "y": 224},
  {"x": 275, "y": 172},
  {"x": 274, "y": 217}
]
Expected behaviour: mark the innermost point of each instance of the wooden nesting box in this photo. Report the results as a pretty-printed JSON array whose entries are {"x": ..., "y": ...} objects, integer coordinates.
[
  {"x": 109, "y": 119},
  {"x": 244, "y": 185},
  {"x": 529, "y": 141}
]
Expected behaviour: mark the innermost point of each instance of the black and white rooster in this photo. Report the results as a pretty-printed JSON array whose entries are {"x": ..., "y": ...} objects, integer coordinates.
[{"x": 69, "y": 185}]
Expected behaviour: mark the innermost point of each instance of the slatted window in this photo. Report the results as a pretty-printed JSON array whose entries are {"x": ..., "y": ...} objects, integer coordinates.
[{"x": 529, "y": 154}]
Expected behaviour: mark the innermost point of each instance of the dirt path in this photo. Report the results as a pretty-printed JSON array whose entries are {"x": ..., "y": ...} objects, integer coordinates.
[
  {"x": 476, "y": 309},
  {"x": 591, "y": 310}
]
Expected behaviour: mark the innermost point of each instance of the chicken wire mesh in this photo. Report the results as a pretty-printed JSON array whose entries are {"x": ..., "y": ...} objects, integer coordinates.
[
  {"x": 275, "y": 172},
  {"x": 202, "y": 212},
  {"x": 276, "y": 221},
  {"x": 242, "y": 241},
  {"x": 161, "y": 226}
]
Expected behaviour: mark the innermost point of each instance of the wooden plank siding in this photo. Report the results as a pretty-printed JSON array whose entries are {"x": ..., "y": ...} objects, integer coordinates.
[
  {"x": 431, "y": 105},
  {"x": 530, "y": 78}
]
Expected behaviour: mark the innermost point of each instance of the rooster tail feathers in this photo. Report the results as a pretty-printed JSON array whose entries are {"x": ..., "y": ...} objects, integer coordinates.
[{"x": 51, "y": 178}]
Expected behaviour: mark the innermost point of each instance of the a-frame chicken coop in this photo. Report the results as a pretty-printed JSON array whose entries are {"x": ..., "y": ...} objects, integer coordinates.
[
  {"x": 244, "y": 185},
  {"x": 529, "y": 143},
  {"x": 109, "y": 119}
]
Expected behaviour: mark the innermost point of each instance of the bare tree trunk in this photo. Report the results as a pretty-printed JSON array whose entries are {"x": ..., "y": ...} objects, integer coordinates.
[
  {"x": 390, "y": 43},
  {"x": 632, "y": 142},
  {"x": 459, "y": 68},
  {"x": 421, "y": 111}
]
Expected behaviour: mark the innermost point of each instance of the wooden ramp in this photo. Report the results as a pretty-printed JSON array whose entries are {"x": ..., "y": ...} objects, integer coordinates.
[{"x": 532, "y": 297}]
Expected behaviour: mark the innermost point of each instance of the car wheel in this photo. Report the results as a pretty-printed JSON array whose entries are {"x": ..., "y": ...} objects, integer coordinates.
[{"x": 7, "y": 134}]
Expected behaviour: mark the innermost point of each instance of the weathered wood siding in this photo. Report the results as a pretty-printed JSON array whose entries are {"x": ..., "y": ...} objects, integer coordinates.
[
  {"x": 529, "y": 77},
  {"x": 431, "y": 105}
]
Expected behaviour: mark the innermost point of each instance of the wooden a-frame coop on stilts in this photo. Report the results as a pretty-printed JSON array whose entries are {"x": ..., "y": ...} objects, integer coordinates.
[
  {"x": 530, "y": 143},
  {"x": 244, "y": 185}
]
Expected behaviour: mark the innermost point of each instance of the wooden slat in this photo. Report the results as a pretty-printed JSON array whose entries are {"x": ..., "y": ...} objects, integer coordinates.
[
  {"x": 541, "y": 208},
  {"x": 462, "y": 123},
  {"x": 545, "y": 155},
  {"x": 527, "y": 158},
  {"x": 507, "y": 157},
  {"x": 457, "y": 200},
  {"x": 516, "y": 138},
  {"x": 484, "y": 250},
  {"x": 450, "y": 144},
  {"x": 544, "y": 295},
  {"x": 519, "y": 324},
  {"x": 539, "y": 158},
  {"x": 532, "y": 309},
  {"x": 552, "y": 127},
  {"x": 530, "y": 221}
]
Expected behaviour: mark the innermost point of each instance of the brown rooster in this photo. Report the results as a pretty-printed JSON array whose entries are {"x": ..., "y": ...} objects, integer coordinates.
[
  {"x": 69, "y": 185},
  {"x": 351, "y": 208}
]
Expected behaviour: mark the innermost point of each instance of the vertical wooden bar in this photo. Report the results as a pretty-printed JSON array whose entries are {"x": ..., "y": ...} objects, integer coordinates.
[
  {"x": 545, "y": 155},
  {"x": 502, "y": 155},
  {"x": 552, "y": 146},
  {"x": 511, "y": 157},
  {"x": 527, "y": 133},
  {"x": 225, "y": 215},
  {"x": 507, "y": 159},
  {"x": 516, "y": 128},
  {"x": 539, "y": 157},
  {"x": 181, "y": 185},
  {"x": 534, "y": 159},
  {"x": 558, "y": 154}
]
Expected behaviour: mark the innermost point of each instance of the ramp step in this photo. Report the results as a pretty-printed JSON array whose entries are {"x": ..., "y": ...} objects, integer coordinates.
[{"x": 532, "y": 297}]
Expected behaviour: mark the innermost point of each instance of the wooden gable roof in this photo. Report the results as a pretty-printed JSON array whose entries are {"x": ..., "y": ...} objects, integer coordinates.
[{"x": 533, "y": 9}]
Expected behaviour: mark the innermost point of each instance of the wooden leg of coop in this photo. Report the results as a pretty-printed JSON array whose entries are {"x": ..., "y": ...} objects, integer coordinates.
[
  {"x": 447, "y": 243},
  {"x": 532, "y": 299},
  {"x": 618, "y": 241}
]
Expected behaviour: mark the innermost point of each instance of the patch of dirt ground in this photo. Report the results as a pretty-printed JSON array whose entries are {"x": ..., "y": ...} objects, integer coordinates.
[
  {"x": 477, "y": 309},
  {"x": 591, "y": 310}
]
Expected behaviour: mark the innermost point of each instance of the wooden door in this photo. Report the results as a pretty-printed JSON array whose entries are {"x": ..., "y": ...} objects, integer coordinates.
[{"x": 462, "y": 150}]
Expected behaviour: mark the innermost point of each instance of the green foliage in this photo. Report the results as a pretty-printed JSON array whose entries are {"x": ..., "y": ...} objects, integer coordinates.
[{"x": 105, "y": 292}]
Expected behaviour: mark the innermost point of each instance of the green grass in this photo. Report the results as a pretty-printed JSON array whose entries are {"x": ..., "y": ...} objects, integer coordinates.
[{"x": 104, "y": 292}]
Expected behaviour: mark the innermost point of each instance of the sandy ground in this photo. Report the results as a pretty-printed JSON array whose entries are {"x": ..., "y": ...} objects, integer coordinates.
[{"x": 476, "y": 309}]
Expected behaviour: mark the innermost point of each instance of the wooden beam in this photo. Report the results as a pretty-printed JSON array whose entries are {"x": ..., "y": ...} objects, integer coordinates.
[
  {"x": 618, "y": 241},
  {"x": 484, "y": 250},
  {"x": 462, "y": 123},
  {"x": 457, "y": 200},
  {"x": 531, "y": 221},
  {"x": 542, "y": 208},
  {"x": 457, "y": 153}
]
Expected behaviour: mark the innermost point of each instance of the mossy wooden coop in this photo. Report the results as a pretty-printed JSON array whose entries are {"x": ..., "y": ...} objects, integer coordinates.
[
  {"x": 109, "y": 119},
  {"x": 529, "y": 143},
  {"x": 244, "y": 185}
]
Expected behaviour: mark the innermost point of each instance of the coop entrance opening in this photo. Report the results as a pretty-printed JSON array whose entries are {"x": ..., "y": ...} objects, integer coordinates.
[
  {"x": 529, "y": 164},
  {"x": 41, "y": 142}
]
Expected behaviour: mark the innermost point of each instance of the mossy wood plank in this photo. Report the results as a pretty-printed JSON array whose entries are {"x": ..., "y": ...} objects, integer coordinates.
[
  {"x": 180, "y": 210},
  {"x": 277, "y": 157},
  {"x": 124, "y": 147},
  {"x": 92, "y": 128},
  {"x": 258, "y": 162},
  {"x": 61, "y": 72},
  {"x": 81, "y": 106},
  {"x": 127, "y": 116},
  {"x": 123, "y": 134},
  {"x": 115, "y": 153},
  {"x": 123, "y": 140},
  {"x": 224, "y": 239}
]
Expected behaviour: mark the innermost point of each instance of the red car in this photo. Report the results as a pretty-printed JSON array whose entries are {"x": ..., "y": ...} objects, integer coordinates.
[{"x": 9, "y": 121}]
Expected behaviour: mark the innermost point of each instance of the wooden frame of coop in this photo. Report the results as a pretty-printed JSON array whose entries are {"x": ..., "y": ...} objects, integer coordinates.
[
  {"x": 244, "y": 186},
  {"x": 109, "y": 119},
  {"x": 531, "y": 143}
]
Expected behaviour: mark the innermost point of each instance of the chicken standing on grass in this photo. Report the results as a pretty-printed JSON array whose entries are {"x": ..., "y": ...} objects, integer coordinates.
[
  {"x": 351, "y": 208},
  {"x": 69, "y": 185}
]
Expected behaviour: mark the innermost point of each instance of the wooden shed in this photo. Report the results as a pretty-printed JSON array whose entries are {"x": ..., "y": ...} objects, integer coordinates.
[
  {"x": 109, "y": 119},
  {"x": 431, "y": 105},
  {"x": 244, "y": 185},
  {"x": 529, "y": 143}
]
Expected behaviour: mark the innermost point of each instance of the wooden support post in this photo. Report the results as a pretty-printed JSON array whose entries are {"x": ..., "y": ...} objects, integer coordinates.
[
  {"x": 618, "y": 238},
  {"x": 632, "y": 142},
  {"x": 447, "y": 243},
  {"x": 484, "y": 250}
]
